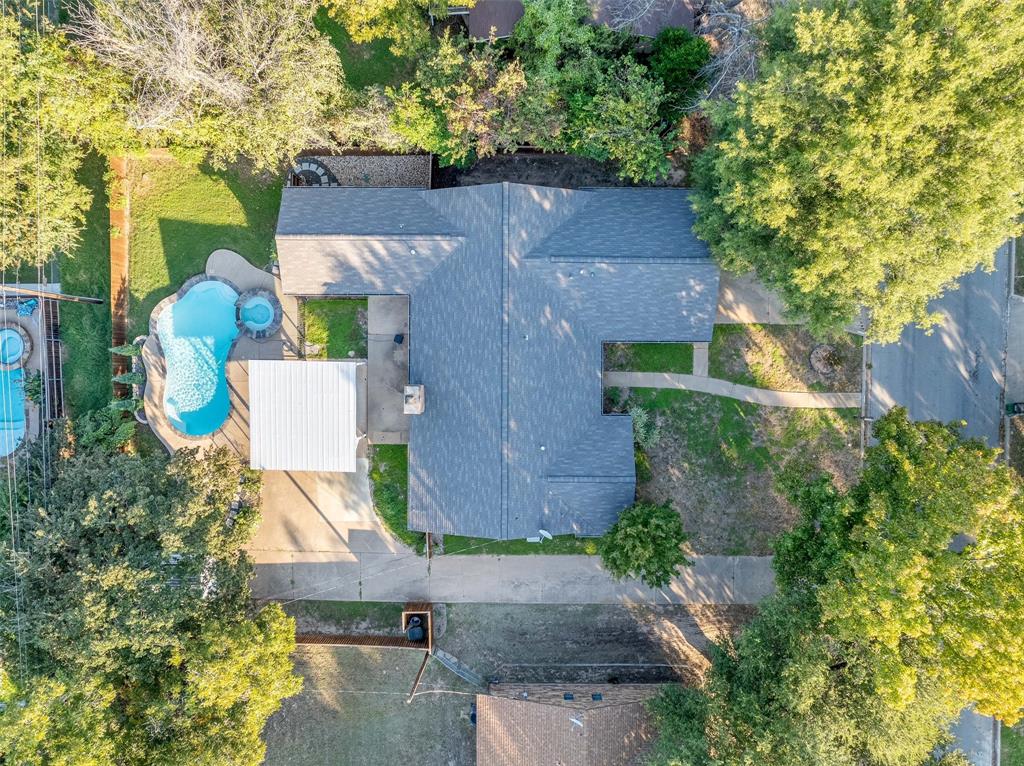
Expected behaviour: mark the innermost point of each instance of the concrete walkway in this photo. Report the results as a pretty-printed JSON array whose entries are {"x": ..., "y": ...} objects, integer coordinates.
[
  {"x": 320, "y": 539},
  {"x": 742, "y": 299},
  {"x": 763, "y": 396},
  {"x": 336, "y": 576}
]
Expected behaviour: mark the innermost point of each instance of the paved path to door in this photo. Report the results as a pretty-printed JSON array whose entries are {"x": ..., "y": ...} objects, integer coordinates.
[
  {"x": 320, "y": 539},
  {"x": 797, "y": 399}
]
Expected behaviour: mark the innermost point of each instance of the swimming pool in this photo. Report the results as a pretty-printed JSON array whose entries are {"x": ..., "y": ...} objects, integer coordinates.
[
  {"x": 12, "y": 410},
  {"x": 196, "y": 333},
  {"x": 11, "y": 346}
]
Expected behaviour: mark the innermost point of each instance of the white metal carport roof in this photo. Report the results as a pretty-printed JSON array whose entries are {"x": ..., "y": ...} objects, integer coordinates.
[{"x": 303, "y": 415}]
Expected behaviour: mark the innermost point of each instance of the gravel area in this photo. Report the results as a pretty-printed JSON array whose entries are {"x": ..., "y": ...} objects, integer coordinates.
[{"x": 379, "y": 169}]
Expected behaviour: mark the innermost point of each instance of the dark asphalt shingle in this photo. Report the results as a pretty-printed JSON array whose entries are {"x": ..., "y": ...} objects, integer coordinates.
[{"x": 513, "y": 290}]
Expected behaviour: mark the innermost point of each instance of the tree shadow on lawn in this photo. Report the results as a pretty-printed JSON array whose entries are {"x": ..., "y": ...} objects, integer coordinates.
[{"x": 175, "y": 226}]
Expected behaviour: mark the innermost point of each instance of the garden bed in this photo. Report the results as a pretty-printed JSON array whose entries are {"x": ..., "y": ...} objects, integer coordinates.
[
  {"x": 720, "y": 461},
  {"x": 779, "y": 357}
]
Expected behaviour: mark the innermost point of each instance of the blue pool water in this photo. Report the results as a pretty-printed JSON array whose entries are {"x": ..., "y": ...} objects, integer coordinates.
[
  {"x": 257, "y": 313},
  {"x": 12, "y": 410},
  {"x": 196, "y": 333},
  {"x": 11, "y": 346}
]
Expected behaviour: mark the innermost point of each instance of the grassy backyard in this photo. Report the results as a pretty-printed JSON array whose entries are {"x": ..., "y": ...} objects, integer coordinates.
[
  {"x": 364, "y": 64},
  {"x": 180, "y": 213},
  {"x": 85, "y": 329},
  {"x": 336, "y": 326},
  {"x": 778, "y": 357},
  {"x": 719, "y": 461},
  {"x": 649, "y": 357}
]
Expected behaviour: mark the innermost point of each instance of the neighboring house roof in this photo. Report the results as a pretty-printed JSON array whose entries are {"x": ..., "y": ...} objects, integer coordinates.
[
  {"x": 485, "y": 15},
  {"x": 304, "y": 416},
  {"x": 529, "y": 724},
  {"x": 502, "y": 15},
  {"x": 512, "y": 291}
]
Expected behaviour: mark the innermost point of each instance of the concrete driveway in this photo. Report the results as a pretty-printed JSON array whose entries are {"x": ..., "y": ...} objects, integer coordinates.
[
  {"x": 317, "y": 526},
  {"x": 956, "y": 372}
]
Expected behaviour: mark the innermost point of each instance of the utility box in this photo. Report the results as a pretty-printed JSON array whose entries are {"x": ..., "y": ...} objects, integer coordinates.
[
  {"x": 423, "y": 612},
  {"x": 414, "y": 400}
]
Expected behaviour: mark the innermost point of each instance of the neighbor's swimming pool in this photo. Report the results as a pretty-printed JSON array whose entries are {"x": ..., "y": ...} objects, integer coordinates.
[
  {"x": 12, "y": 409},
  {"x": 11, "y": 346},
  {"x": 196, "y": 333}
]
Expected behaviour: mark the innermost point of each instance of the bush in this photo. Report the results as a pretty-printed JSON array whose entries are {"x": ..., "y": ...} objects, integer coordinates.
[
  {"x": 677, "y": 57},
  {"x": 646, "y": 543},
  {"x": 646, "y": 433}
]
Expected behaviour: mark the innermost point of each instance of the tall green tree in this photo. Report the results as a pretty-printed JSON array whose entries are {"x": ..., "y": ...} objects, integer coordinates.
[
  {"x": 463, "y": 103},
  {"x": 605, "y": 105},
  {"x": 645, "y": 542},
  {"x": 922, "y": 564},
  {"x": 899, "y": 604},
  {"x": 877, "y": 157},
  {"x": 134, "y": 592},
  {"x": 403, "y": 22},
  {"x": 51, "y": 98},
  {"x": 224, "y": 78}
]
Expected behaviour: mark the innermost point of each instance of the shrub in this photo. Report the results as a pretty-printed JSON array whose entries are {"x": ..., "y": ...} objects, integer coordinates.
[
  {"x": 646, "y": 543},
  {"x": 677, "y": 57},
  {"x": 646, "y": 432}
]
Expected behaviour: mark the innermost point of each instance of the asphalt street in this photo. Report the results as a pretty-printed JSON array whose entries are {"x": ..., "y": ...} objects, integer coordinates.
[{"x": 956, "y": 372}]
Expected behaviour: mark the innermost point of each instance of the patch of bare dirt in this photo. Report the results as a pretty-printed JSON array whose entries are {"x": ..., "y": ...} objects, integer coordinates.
[
  {"x": 565, "y": 171},
  {"x": 721, "y": 464}
]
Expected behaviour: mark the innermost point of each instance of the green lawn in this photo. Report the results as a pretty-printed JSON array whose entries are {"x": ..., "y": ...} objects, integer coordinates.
[
  {"x": 1012, "y": 747},
  {"x": 389, "y": 472},
  {"x": 364, "y": 64},
  {"x": 334, "y": 325},
  {"x": 561, "y": 544},
  {"x": 180, "y": 213},
  {"x": 85, "y": 329},
  {"x": 356, "y": 617},
  {"x": 650, "y": 357}
]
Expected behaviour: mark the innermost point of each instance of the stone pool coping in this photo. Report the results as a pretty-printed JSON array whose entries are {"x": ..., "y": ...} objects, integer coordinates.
[{"x": 242, "y": 277}]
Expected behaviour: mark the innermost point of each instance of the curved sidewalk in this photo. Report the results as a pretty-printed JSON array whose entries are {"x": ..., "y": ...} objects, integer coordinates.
[{"x": 796, "y": 399}]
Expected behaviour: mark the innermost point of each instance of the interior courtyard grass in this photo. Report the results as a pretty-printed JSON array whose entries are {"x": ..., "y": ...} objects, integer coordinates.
[
  {"x": 649, "y": 357},
  {"x": 337, "y": 326},
  {"x": 180, "y": 213}
]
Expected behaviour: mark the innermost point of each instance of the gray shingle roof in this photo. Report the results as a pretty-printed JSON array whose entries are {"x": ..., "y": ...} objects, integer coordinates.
[{"x": 512, "y": 290}]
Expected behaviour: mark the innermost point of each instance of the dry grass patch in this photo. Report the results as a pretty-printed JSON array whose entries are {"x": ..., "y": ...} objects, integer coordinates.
[
  {"x": 720, "y": 461},
  {"x": 779, "y": 357}
]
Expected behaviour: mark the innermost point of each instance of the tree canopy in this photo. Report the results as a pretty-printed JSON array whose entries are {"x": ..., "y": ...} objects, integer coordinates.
[
  {"x": 134, "y": 639},
  {"x": 403, "y": 22},
  {"x": 899, "y": 604},
  {"x": 51, "y": 96},
  {"x": 226, "y": 78},
  {"x": 647, "y": 543},
  {"x": 877, "y": 157}
]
